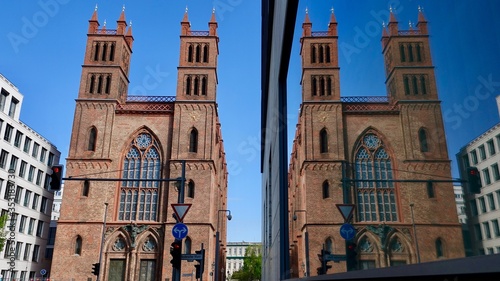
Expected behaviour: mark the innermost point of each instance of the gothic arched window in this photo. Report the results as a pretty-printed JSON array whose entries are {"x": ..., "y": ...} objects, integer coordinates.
[
  {"x": 198, "y": 53},
  {"x": 323, "y": 141},
  {"x": 320, "y": 53},
  {"x": 92, "y": 139},
  {"x": 402, "y": 52},
  {"x": 139, "y": 199},
  {"x": 104, "y": 50},
  {"x": 112, "y": 52},
  {"x": 108, "y": 84},
  {"x": 204, "y": 86},
  {"x": 439, "y": 248},
  {"x": 190, "y": 189},
  {"x": 313, "y": 86},
  {"x": 326, "y": 190},
  {"x": 328, "y": 86},
  {"x": 187, "y": 245},
  {"x": 78, "y": 245},
  {"x": 329, "y": 245},
  {"x": 376, "y": 201},
  {"x": 327, "y": 53},
  {"x": 313, "y": 54},
  {"x": 188, "y": 86},
  {"x": 96, "y": 52},
  {"x": 196, "y": 90},
  {"x": 205, "y": 53},
  {"x": 193, "y": 140},
  {"x": 190, "y": 53},
  {"x": 85, "y": 188},
  {"x": 422, "y": 138},
  {"x": 92, "y": 84}
]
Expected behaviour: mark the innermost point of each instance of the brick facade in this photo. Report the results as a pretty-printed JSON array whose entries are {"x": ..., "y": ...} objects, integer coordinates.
[
  {"x": 112, "y": 132},
  {"x": 399, "y": 136}
]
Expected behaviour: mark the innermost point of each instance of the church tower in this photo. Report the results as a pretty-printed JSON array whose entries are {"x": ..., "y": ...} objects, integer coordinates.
[
  {"x": 382, "y": 157},
  {"x": 125, "y": 159}
]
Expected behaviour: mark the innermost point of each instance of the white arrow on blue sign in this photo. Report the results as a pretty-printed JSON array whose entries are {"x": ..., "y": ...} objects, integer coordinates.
[
  {"x": 347, "y": 231},
  {"x": 179, "y": 231}
]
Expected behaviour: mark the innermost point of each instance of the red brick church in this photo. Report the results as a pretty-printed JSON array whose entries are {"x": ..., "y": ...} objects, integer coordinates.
[
  {"x": 118, "y": 136},
  {"x": 374, "y": 152}
]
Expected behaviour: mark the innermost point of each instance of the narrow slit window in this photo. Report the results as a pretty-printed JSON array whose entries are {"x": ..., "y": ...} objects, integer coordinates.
[
  {"x": 190, "y": 53},
  {"x": 198, "y": 53},
  {"x": 96, "y": 52},
  {"x": 188, "y": 86},
  {"x": 323, "y": 141},
  {"x": 313, "y": 54},
  {"x": 205, "y": 53},
  {"x": 104, "y": 51},
  {"x": 193, "y": 140}
]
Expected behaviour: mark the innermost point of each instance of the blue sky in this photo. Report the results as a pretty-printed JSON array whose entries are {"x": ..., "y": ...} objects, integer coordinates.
[{"x": 43, "y": 42}]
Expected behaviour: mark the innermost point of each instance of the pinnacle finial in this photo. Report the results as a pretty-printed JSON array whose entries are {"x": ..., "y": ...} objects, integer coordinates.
[
  {"x": 186, "y": 8},
  {"x": 307, "y": 10},
  {"x": 390, "y": 9},
  {"x": 383, "y": 24},
  {"x": 123, "y": 8},
  {"x": 332, "y": 9},
  {"x": 130, "y": 24},
  {"x": 213, "y": 10},
  {"x": 95, "y": 7},
  {"x": 410, "y": 24},
  {"x": 420, "y": 8},
  {"x": 104, "y": 23}
]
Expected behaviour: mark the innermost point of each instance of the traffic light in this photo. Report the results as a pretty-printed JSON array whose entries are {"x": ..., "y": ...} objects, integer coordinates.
[
  {"x": 324, "y": 262},
  {"x": 56, "y": 177},
  {"x": 96, "y": 268},
  {"x": 351, "y": 255},
  {"x": 474, "y": 180},
  {"x": 175, "y": 251},
  {"x": 200, "y": 267}
]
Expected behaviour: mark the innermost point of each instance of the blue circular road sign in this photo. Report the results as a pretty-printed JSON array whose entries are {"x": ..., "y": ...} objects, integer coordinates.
[
  {"x": 347, "y": 231},
  {"x": 179, "y": 231}
]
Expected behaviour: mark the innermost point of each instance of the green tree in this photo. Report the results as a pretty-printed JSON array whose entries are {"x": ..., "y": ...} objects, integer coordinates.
[
  {"x": 3, "y": 233},
  {"x": 252, "y": 266}
]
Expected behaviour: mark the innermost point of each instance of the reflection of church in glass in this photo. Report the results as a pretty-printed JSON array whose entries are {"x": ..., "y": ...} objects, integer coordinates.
[
  {"x": 375, "y": 143},
  {"x": 122, "y": 137}
]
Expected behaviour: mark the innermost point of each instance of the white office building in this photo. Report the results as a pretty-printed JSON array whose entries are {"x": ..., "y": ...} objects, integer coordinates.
[
  {"x": 235, "y": 257},
  {"x": 25, "y": 167},
  {"x": 483, "y": 209}
]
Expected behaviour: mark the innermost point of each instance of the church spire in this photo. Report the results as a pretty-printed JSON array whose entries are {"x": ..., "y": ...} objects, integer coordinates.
[
  {"x": 332, "y": 26},
  {"x": 121, "y": 23},
  {"x": 185, "y": 25},
  {"x": 306, "y": 26},
  {"x": 422, "y": 22},
  {"x": 212, "y": 25},
  {"x": 393, "y": 23},
  {"x": 93, "y": 22}
]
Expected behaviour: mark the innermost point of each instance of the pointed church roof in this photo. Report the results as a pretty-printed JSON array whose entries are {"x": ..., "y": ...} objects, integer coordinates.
[
  {"x": 122, "y": 15},
  {"x": 307, "y": 20},
  {"x": 212, "y": 19},
  {"x": 392, "y": 17},
  {"x": 185, "y": 18},
  {"x": 421, "y": 16},
  {"x": 332, "y": 16},
  {"x": 129, "y": 30},
  {"x": 94, "y": 15}
]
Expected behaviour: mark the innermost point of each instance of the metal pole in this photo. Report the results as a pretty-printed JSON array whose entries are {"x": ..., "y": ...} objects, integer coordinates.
[
  {"x": 307, "y": 253},
  {"x": 176, "y": 273},
  {"x": 415, "y": 232},
  {"x": 102, "y": 241},
  {"x": 217, "y": 245},
  {"x": 217, "y": 249}
]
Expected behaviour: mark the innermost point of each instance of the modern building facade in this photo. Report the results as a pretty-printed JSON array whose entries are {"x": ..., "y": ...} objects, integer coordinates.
[
  {"x": 380, "y": 155},
  {"x": 483, "y": 209},
  {"x": 235, "y": 258},
  {"x": 118, "y": 138},
  {"x": 462, "y": 217},
  {"x": 278, "y": 24},
  {"x": 26, "y": 158}
]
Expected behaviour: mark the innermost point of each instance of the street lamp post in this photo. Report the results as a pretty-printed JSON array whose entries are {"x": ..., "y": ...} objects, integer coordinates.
[
  {"x": 217, "y": 244},
  {"x": 415, "y": 232},
  {"x": 306, "y": 238},
  {"x": 102, "y": 241}
]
